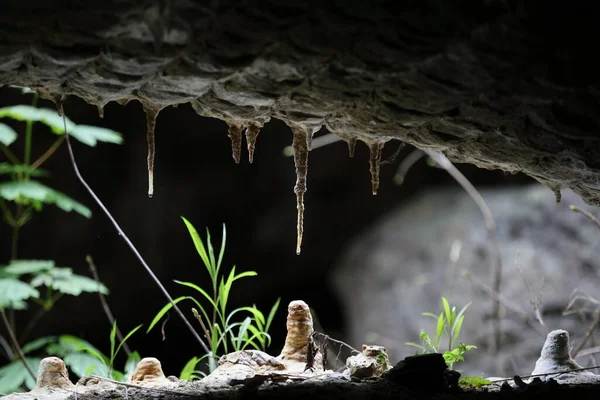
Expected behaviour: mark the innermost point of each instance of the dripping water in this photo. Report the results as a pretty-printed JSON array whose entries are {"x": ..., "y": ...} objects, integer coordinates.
[{"x": 300, "y": 145}]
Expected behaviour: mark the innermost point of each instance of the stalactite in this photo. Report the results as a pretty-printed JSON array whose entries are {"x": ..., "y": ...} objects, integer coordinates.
[
  {"x": 235, "y": 134},
  {"x": 251, "y": 135},
  {"x": 375, "y": 150},
  {"x": 300, "y": 145},
  {"x": 351, "y": 146},
  {"x": 151, "y": 115}
]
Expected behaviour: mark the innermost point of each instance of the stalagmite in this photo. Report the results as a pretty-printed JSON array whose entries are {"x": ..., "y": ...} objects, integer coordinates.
[
  {"x": 151, "y": 114},
  {"x": 251, "y": 135},
  {"x": 351, "y": 146},
  {"x": 235, "y": 134},
  {"x": 375, "y": 150},
  {"x": 300, "y": 145}
]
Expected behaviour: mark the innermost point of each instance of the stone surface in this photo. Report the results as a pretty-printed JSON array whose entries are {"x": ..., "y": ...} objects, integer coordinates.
[
  {"x": 373, "y": 361},
  {"x": 556, "y": 357},
  {"x": 437, "y": 245},
  {"x": 148, "y": 370},
  {"x": 52, "y": 382},
  {"x": 492, "y": 83}
]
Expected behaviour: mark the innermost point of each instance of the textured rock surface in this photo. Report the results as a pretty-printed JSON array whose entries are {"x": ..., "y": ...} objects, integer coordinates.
[
  {"x": 372, "y": 361},
  {"x": 148, "y": 370},
  {"x": 491, "y": 83},
  {"x": 556, "y": 357},
  {"x": 415, "y": 254}
]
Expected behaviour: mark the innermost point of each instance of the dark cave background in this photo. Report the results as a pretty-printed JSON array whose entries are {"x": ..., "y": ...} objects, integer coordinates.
[{"x": 196, "y": 177}]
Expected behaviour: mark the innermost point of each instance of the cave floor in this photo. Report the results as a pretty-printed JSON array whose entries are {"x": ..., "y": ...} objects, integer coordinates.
[{"x": 345, "y": 390}]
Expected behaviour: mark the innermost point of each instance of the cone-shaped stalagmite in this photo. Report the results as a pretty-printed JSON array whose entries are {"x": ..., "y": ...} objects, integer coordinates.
[
  {"x": 300, "y": 145},
  {"x": 251, "y": 135},
  {"x": 151, "y": 114},
  {"x": 235, "y": 134},
  {"x": 375, "y": 150}
]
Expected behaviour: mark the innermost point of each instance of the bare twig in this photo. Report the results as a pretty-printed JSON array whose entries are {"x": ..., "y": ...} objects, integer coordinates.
[
  {"x": 105, "y": 307},
  {"x": 588, "y": 333},
  {"x": 587, "y": 214},
  {"x": 588, "y": 351},
  {"x": 6, "y": 347},
  {"x": 441, "y": 160},
  {"x": 535, "y": 303},
  {"x": 392, "y": 159},
  {"x": 15, "y": 344},
  {"x": 407, "y": 164},
  {"x": 501, "y": 299},
  {"x": 126, "y": 238}
]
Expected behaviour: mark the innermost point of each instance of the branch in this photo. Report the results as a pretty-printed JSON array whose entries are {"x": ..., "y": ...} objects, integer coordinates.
[
  {"x": 109, "y": 314},
  {"x": 15, "y": 344},
  {"x": 126, "y": 238}
]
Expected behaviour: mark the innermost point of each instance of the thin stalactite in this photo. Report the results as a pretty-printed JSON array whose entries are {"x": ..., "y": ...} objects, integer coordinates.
[{"x": 300, "y": 145}]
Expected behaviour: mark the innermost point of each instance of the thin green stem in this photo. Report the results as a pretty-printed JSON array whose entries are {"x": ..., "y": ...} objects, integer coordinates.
[
  {"x": 51, "y": 150},
  {"x": 28, "y": 135}
]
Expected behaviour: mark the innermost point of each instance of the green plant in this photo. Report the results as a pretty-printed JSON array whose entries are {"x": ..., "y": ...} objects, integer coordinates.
[
  {"x": 473, "y": 382},
  {"x": 448, "y": 323},
  {"x": 21, "y": 196},
  {"x": 42, "y": 283},
  {"x": 220, "y": 331},
  {"x": 108, "y": 370}
]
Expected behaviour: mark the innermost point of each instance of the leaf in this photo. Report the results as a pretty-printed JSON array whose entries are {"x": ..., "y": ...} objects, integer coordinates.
[
  {"x": 83, "y": 362},
  {"x": 13, "y": 292},
  {"x": 131, "y": 332},
  {"x": 72, "y": 344},
  {"x": 22, "y": 267},
  {"x": 456, "y": 328},
  {"x": 222, "y": 250},
  {"x": 441, "y": 324},
  {"x": 63, "y": 280},
  {"x": 38, "y": 344},
  {"x": 200, "y": 248},
  {"x": 7, "y": 135},
  {"x": 460, "y": 314},
  {"x": 90, "y": 135},
  {"x": 15, "y": 374},
  {"x": 132, "y": 361},
  {"x": 112, "y": 338},
  {"x": 255, "y": 312},
  {"x": 413, "y": 344},
  {"x": 199, "y": 290},
  {"x": 428, "y": 314},
  {"x": 117, "y": 376},
  {"x": 6, "y": 169},
  {"x": 272, "y": 314},
  {"x": 46, "y": 116},
  {"x": 211, "y": 252},
  {"x": 242, "y": 333},
  {"x": 33, "y": 190},
  {"x": 473, "y": 382},
  {"x": 164, "y": 310},
  {"x": 187, "y": 373},
  {"x": 447, "y": 311}
]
